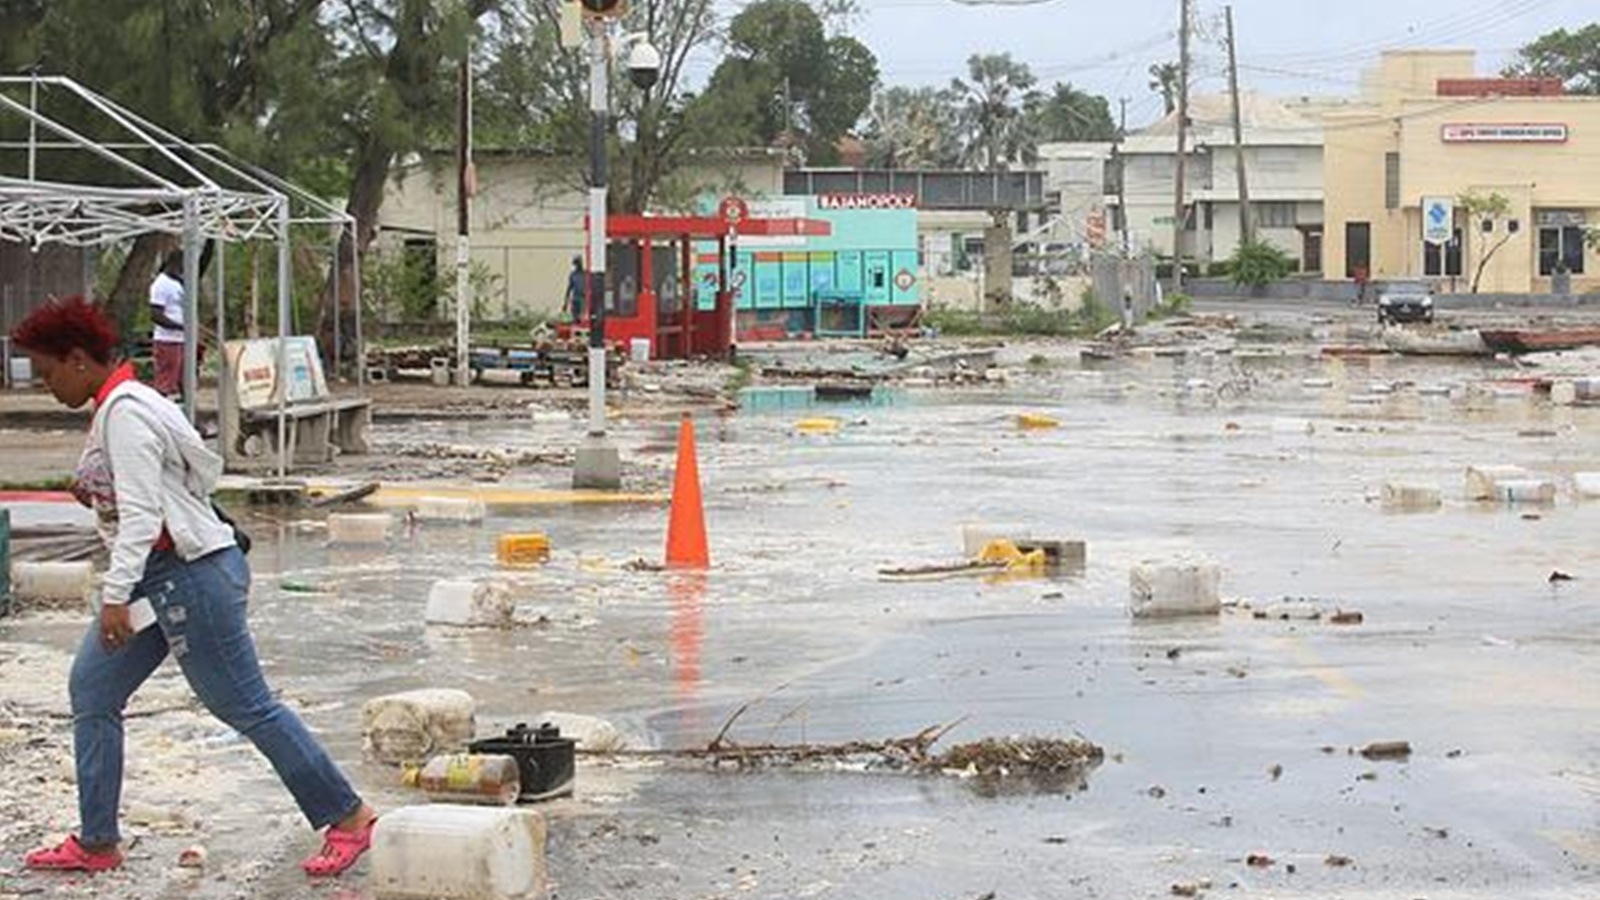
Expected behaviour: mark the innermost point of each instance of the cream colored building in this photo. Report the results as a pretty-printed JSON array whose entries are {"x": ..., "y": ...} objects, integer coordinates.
[
  {"x": 528, "y": 217},
  {"x": 1405, "y": 147},
  {"x": 1283, "y": 167}
]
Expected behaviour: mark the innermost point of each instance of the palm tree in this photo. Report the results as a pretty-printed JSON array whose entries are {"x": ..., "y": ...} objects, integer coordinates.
[
  {"x": 995, "y": 126},
  {"x": 1164, "y": 81}
]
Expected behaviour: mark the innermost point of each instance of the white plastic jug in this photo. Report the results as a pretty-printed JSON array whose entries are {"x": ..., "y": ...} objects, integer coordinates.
[{"x": 445, "y": 852}]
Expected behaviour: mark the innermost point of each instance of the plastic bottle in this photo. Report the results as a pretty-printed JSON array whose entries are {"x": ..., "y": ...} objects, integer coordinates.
[{"x": 485, "y": 780}]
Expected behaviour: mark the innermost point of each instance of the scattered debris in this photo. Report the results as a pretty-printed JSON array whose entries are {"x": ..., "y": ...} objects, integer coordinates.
[
  {"x": 1276, "y": 771},
  {"x": 1559, "y": 575},
  {"x": 1387, "y": 750},
  {"x": 1336, "y": 861},
  {"x": 1156, "y": 791},
  {"x": 192, "y": 857},
  {"x": 1258, "y": 861},
  {"x": 1442, "y": 834},
  {"x": 1346, "y": 618}
]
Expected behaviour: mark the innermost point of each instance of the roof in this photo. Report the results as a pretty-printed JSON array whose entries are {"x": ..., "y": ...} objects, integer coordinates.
[{"x": 1267, "y": 121}]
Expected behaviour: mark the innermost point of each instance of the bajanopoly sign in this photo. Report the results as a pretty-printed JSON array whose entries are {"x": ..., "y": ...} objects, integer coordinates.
[
  {"x": 1504, "y": 133},
  {"x": 867, "y": 201}
]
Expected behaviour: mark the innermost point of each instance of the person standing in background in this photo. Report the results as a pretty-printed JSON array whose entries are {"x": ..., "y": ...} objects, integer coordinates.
[
  {"x": 577, "y": 289},
  {"x": 166, "y": 311}
]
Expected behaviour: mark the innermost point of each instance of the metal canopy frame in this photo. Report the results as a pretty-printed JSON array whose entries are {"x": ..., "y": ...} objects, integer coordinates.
[{"x": 147, "y": 179}]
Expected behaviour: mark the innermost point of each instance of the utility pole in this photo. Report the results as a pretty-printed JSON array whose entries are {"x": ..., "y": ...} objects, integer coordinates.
[
  {"x": 598, "y": 464},
  {"x": 1246, "y": 226},
  {"x": 1179, "y": 207},
  {"x": 464, "y": 220},
  {"x": 1121, "y": 163}
]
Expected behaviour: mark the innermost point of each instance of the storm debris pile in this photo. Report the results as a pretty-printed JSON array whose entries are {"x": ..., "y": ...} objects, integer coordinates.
[{"x": 1020, "y": 756}]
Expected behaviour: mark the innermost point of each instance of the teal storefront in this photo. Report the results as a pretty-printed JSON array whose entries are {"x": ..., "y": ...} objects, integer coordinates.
[{"x": 866, "y": 274}]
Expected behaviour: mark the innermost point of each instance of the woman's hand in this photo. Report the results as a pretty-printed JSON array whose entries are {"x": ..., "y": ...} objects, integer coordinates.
[{"x": 116, "y": 629}]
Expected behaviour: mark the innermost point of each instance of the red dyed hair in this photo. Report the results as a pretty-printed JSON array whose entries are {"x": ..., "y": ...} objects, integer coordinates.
[{"x": 61, "y": 326}]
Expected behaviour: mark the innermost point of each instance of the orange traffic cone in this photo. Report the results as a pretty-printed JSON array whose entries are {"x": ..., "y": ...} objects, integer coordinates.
[{"x": 686, "y": 530}]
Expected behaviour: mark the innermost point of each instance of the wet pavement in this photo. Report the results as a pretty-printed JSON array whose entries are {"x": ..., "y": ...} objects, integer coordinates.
[{"x": 1226, "y": 737}]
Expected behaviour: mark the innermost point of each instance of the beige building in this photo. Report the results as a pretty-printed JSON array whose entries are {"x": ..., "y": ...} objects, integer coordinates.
[
  {"x": 528, "y": 217},
  {"x": 1283, "y": 167},
  {"x": 1425, "y": 133}
]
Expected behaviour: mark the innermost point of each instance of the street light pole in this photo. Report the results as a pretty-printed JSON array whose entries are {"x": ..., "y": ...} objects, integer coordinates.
[{"x": 598, "y": 464}]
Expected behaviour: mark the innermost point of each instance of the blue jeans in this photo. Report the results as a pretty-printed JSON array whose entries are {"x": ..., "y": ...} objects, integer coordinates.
[{"x": 200, "y": 615}]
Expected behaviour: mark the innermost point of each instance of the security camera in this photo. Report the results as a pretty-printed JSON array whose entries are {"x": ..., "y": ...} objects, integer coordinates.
[{"x": 644, "y": 65}]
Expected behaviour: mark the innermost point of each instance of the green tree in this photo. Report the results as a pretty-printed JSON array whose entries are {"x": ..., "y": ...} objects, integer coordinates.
[
  {"x": 786, "y": 82},
  {"x": 205, "y": 70},
  {"x": 1068, "y": 114},
  {"x": 1572, "y": 56},
  {"x": 1487, "y": 217},
  {"x": 1259, "y": 263},
  {"x": 994, "y": 126},
  {"x": 913, "y": 128},
  {"x": 1164, "y": 79}
]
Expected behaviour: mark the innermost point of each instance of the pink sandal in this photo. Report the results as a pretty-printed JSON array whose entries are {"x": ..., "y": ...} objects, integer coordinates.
[
  {"x": 70, "y": 856},
  {"x": 340, "y": 850}
]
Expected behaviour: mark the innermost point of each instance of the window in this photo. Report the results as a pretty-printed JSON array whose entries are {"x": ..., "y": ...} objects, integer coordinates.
[
  {"x": 1391, "y": 181},
  {"x": 1561, "y": 247},
  {"x": 1442, "y": 259},
  {"x": 1274, "y": 215}
]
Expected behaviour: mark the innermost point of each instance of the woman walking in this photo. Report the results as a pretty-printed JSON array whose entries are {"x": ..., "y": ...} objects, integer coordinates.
[{"x": 177, "y": 583}]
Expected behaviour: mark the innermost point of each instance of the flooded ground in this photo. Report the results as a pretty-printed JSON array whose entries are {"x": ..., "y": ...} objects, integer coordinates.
[{"x": 1226, "y": 737}]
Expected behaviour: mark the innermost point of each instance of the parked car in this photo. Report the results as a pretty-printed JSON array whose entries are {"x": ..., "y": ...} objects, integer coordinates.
[{"x": 1405, "y": 301}]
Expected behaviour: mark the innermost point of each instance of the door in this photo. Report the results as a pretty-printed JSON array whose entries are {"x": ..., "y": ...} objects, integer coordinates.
[
  {"x": 1311, "y": 257},
  {"x": 877, "y": 278},
  {"x": 1357, "y": 250}
]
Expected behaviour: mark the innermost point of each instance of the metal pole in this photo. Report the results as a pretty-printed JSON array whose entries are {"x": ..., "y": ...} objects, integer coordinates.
[
  {"x": 224, "y": 395},
  {"x": 1179, "y": 207},
  {"x": 282, "y": 381},
  {"x": 1246, "y": 231},
  {"x": 361, "y": 342},
  {"x": 598, "y": 464},
  {"x": 1121, "y": 162},
  {"x": 600, "y": 109},
  {"x": 338, "y": 314},
  {"x": 33, "y": 127},
  {"x": 191, "y": 308},
  {"x": 463, "y": 221}
]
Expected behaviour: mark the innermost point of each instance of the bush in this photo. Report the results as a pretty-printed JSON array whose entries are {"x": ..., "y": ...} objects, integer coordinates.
[
  {"x": 1024, "y": 319},
  {"x": 1171, "y": 306},
  {"x": 1219, "y": 269},
  {"x": 1258, "y": 263}
]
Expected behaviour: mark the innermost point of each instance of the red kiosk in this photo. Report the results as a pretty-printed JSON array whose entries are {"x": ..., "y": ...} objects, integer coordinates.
[{"x": 683, "y": 330}]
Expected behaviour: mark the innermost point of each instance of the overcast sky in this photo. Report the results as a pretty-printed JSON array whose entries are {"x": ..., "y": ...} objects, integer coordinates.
[{"x": 1286, "y": 46}]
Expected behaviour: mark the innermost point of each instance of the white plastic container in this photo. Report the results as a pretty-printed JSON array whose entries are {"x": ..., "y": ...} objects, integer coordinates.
[
  {"x": 410, "y": 727},
  {"x": 1483, "y": 482},
  {"x": 1526, "y": 490},
  {"x": 359, "y": 528},
  {"x": 21, "y": 371},
  {"x": 1586, "y": 484},
  {"x": 470, "y": 604},
  {"x": 443, "y": 852},
  {"x": 639, "y": 350},
  {"x": 1410, "y": 497},
  {"x": 52, "y": 582},
  {"x": 1178, "y": 587},
  {"x": 1564, "y": 393},
  {"x": 450, "y": 509}
]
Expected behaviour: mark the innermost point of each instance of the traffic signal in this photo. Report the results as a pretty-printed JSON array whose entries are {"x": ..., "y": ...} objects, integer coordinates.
[{"x": 609, "y": 8}]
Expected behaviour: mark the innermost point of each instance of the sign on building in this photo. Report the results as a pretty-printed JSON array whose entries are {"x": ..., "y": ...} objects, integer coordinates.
[
  {"x": 867, "y": 201},
  {"x": 1438, "y": 219},
  {"x": 1504, "y": 133}
]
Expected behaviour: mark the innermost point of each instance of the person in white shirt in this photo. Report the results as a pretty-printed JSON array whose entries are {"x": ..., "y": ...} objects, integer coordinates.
[{"x": 166, "y": 311}]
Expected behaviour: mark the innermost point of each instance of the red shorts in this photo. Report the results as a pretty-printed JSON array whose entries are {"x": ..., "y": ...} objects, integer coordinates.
[{"x": 169, "y": 368}]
